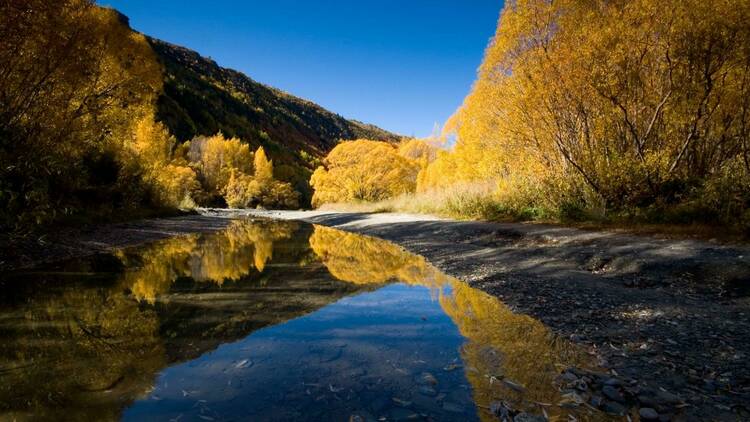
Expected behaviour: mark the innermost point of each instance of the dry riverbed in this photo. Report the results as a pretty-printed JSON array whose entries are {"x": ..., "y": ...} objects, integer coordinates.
[{"x": 668, "y": 319}]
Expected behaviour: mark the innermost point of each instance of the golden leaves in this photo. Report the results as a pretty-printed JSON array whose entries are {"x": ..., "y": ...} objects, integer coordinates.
[{"x": 363, "y": 170}]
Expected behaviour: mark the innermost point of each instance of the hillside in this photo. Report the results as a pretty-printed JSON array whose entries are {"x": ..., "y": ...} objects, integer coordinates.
[{"x": 202, "y": 98}]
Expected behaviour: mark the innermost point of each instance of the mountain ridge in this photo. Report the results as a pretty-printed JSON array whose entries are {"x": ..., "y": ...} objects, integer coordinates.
[{"x": 201, "y": 97}]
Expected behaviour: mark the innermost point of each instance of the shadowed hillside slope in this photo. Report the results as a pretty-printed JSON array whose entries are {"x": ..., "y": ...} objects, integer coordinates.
[{"x": 202, "y": 98}]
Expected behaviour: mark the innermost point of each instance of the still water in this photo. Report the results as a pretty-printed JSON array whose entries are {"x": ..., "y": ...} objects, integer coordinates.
[{"x": 268, "y": 321}]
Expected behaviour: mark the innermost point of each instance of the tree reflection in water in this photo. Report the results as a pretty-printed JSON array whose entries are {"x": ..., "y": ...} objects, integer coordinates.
[
  {"x": 229, "y": 255},
  {"x": 499, "y": 343},
  {"x": 86, "y": 339}
]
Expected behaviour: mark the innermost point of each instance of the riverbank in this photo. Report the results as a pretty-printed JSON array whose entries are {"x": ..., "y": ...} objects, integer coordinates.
[{"x": 668, "y": 317}]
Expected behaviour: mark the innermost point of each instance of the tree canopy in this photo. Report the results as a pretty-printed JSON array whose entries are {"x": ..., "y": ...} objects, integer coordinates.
[{"x": 365, "y": 170}]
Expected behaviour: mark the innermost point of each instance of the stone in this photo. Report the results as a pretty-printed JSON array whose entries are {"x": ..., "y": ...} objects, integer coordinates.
[
  {"x": 613, "y": 393},
  {"x": 648, "y": 414},
  {"x": 401, "y": 402},
  {"x": 568, "y": 377},
  {"x": 401, "y": 414},
  {"x": 612, "y": 382},
  {"x": 646, "y": 400},
  {"x": 596, "y": 401},
  {"x": 571, "y": 400},
  {"x": 667, "y": 397},
  {"x": 527, "y": 417},
  {"x": 514, "y": 386},
  {"x": 427, "y": 391},
  {"x": 613, "y": 408},
  {"x": 427, "y": 378},
  {"x": 452, "y": 407}
]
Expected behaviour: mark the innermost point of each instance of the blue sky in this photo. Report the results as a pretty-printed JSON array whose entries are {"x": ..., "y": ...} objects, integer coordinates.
[{"x": 403, "y": 65}]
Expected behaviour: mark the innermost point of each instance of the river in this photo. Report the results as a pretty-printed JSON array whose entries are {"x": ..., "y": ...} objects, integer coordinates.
[{"x": 271, "y": 320}]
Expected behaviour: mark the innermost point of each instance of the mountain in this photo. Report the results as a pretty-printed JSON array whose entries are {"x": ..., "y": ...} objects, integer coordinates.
[{"x": 202, "y": 98}]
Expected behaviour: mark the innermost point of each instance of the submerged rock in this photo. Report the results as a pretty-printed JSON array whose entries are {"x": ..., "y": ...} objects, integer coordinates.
[{"x": 648, "y": 414}]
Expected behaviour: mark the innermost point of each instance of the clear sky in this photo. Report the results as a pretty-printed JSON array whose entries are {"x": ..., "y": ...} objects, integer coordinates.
[{"x": 403, "y": 65}]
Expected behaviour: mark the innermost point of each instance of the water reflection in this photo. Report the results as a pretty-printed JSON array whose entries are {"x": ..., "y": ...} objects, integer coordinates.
[
  {"x": 507, "y": 356},
  {"x": 226, "y": 256},
  {"x": 267, "y": 321}
]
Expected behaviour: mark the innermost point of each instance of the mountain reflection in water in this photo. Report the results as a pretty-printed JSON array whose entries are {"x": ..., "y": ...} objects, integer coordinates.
[{"x": 267, "y": 321}]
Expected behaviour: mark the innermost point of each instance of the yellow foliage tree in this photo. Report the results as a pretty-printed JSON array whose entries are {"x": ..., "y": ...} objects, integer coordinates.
[
  {"x": 419, "y": 150},
  {"x": 363, "y": 170},
  {"x": 215, "y": 158},
  {"x": 263, "y": 166},
  {"x": 244, "y": 191},
  {"x": 626, "y": 104},
  {"x": 150, "y": 148},
  {"x": 74, "y": 77}
]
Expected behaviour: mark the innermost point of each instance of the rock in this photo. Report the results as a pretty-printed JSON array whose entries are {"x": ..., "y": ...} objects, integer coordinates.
[
  {"x": 596, "y": 401},
  {"x": 362, "y": 416},
  {"x": 613, "y": 408},
  {"x": 401, "y": 402},
  {"x": 427, "y": 379},
  {"x": 667, "y": 397},
  {"x": 427, "y": 391},
  {"x": 613, "y": 393},
  {"x": 612, "y": 382},
  {"x": 502, "y": 410},
  {"x": 648, "y": 414},
  {"x": 401, "y": 414},
  {"x": 452, "y": 407},
  {"x": 646, "y": 401},
  {"x": 526, "y": 417},
  {"x": 514, "y": 386},
  {"x": 571, "y": 400},
  {"x": 568, "y": 377}
]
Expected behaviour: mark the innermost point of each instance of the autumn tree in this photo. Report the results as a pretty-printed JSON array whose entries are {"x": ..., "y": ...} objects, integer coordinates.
[
  {"x": 263, "y": 166},
  {"x": 244, "y": 191},
  {"x": 363, "y": 170},
  {"x": 621, "y": 105},
  {"x": 73, "y": 77},
  {"x": 215, "y": 158}
]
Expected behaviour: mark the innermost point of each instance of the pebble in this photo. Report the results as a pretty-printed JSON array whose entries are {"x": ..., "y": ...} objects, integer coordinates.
[
  {"x": 452, "y": 407},
  {"x": 667, "y": 397},
  {"x": 427, "y": 391},
  {"x": 568, "y": 377},
  {"x": 427, "y": 378},
  {"x": 527, "y": 417},
  {"x": 514, "y": 386},
  {"x": 648, "y": 414},
  {"x": 570, "y": 400},
  {"x": 647, "y": 401},
  {"x": 613, "y": 382},
  {"x": 613, "y": 394},
  {"x": 401, "y": 414},
  {"x": 613, "y": 408},
  {"x": 401, "y": 402},
  {"x": 596, "y": 401}
]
